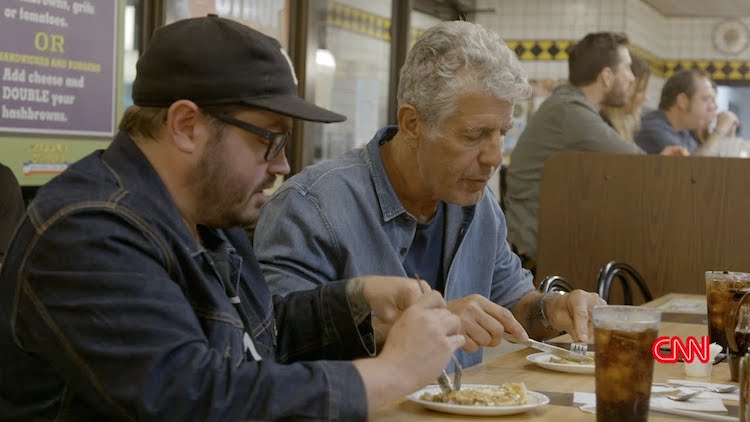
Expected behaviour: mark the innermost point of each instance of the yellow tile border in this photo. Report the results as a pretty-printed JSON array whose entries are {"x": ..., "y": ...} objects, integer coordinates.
[{"x": 719, "y": 69}]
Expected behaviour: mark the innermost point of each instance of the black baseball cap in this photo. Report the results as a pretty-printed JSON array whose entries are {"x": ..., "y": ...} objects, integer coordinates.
[{"x": 215, "y": 61}]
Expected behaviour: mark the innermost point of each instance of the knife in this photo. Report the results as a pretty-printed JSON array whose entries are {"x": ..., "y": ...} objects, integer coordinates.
[{"x": 553, "y": 350}]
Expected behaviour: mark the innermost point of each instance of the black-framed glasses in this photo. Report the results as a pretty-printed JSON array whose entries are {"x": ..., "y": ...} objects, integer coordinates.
[{"x": 276, "y": 141}]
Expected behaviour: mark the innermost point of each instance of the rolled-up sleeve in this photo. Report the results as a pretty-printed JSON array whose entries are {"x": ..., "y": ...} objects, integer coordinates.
[
  {"x": 318, "y": 324},
  {"x": 510, "y": 281}
]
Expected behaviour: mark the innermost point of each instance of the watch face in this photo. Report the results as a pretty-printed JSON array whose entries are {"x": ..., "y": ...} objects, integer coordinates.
[{"x": 731, "y": 36}]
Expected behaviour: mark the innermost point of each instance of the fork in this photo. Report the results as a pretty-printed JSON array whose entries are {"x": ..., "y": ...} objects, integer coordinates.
[
  {"x": 579, "y": 347},
  {"x": 443, "y": 380},
  {"x": 713, "y": 389},
  {"x": 722, "y": 390}
]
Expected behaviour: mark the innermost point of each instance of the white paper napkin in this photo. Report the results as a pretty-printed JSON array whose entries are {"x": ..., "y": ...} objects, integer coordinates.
[
  {"x": 698, "y": 403},
  {"x": 701, "y": 416},
  {"x": 735, "y": 395},
  {"x": 584, "y": 398},
  {"x": 587, "y": 400}
]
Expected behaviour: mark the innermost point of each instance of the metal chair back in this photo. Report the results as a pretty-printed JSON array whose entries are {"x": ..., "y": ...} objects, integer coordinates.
[
  {"x": 626, "y": 274},
  {"x": 555, "y": 283}
]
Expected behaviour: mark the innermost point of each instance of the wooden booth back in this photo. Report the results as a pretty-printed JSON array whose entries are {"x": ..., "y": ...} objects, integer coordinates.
[{"x": 672, "y": 218}]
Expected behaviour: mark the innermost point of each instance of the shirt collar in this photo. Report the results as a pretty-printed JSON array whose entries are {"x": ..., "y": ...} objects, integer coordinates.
[
  {"x": 136, "y": 174},
  {"x": 390, "y": 205}
]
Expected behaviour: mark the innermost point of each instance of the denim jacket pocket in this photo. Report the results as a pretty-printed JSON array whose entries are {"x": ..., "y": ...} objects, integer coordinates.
[{"x": 224, "y": 333}]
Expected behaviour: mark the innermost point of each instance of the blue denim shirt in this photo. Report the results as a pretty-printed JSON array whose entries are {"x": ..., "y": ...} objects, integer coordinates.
[
  {"x": 341, "y": 218},
  {"x": 110, "y": 310}
]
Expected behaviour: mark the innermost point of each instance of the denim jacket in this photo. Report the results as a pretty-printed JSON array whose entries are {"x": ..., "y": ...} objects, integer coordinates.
[
  {"x": 110, "y": 310},
  {"x": 341, "y": 218}
]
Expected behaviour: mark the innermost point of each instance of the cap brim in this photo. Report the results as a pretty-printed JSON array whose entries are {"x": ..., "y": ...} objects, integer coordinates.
[{"x": 294, "y": 106}]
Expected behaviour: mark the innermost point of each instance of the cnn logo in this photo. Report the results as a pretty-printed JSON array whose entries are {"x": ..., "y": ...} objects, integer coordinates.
[{"x": 688, "y": 350}]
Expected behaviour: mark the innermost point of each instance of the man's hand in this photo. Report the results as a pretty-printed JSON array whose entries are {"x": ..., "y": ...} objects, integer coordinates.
[
  {"x": 675, "y": 150},
  {"x": 726, "y": 124},
  {"x": 418, "y": 347},
  {"x": 571, "y": 312},
  {"x": 483, "y": 322},
  {"x": 388, "y": 297},
  {"x": 426, "y": 328}
]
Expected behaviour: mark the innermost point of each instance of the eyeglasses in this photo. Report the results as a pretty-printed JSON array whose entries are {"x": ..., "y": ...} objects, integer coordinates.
[{"x": 276, "y": 141}]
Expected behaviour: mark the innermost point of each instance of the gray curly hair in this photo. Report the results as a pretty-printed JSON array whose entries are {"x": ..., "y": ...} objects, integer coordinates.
[{"x": 454, "y": 58}]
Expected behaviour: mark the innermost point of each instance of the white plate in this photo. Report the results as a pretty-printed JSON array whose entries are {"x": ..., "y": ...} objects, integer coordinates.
[
  {"x": 534, "y": 400},
  {"x": 542, "y": 359}
]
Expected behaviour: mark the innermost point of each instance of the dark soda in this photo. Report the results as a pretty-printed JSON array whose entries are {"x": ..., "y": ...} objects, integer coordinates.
[
  {"x": 624, "y": 370},
  {"x": 721, "y": 289}
]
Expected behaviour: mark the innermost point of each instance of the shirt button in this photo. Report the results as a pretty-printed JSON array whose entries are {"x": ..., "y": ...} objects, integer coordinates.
[{"x": 403, "y": 251}]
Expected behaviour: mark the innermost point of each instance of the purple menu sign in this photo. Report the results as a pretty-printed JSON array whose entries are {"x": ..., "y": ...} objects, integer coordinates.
[{"x": 57, "y": 66}]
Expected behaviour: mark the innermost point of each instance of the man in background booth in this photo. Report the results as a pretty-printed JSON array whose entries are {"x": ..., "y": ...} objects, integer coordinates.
[
  {"x": 688, "y": 103},
  {"x": 131, "y": 292},
  {"x": 569, "y": 120},
  {"x": 415, "y": 202}
]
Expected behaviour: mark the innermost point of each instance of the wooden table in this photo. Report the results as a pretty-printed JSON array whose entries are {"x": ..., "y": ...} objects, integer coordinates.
[{"x": 559, "y": 387}]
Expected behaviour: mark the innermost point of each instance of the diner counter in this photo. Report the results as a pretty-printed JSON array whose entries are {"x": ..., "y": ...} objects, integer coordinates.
[{"x": 679, "y": 318}]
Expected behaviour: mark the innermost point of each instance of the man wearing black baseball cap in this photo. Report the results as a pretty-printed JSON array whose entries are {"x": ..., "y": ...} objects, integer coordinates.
[{"x": 131, "y": 292}]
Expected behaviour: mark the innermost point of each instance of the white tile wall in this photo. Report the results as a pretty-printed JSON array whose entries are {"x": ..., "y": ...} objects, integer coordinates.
[
  {"x": 548, "y": 19},
  {"x": 678, "y": 38},
  {"x": 646, "y": 27},
  {"x": 655, "y": 84},
  {"x": 692, "y": 38}
]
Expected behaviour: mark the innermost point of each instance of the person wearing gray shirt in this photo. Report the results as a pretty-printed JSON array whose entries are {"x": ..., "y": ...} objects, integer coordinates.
[{"x": 599, "y": 74}]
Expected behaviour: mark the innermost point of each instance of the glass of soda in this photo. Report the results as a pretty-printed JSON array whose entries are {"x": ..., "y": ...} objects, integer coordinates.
[
  {"x": 624, "y": 365},
  {"x": 721, "y": 287},
  {"x": 739, "y": 343}
]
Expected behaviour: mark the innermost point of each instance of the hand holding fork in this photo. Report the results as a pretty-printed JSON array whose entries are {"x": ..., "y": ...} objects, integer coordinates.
[{"x": 443, "y": 380}]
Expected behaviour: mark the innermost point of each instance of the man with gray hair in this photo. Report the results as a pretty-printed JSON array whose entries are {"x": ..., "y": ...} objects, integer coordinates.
[{"x": 414, "y": 202}]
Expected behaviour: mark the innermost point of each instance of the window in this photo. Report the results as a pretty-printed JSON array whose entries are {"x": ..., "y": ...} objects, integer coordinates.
[{"x": 270, "y": 17}]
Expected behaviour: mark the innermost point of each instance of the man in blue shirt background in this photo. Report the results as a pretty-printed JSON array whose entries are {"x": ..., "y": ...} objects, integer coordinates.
[{"x": 688, "y": 102}]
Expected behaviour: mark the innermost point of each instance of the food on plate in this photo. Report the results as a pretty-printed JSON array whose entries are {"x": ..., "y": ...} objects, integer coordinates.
[
  {"x": 508, "y": 394},
  {"x": 555, "y": 359}
]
